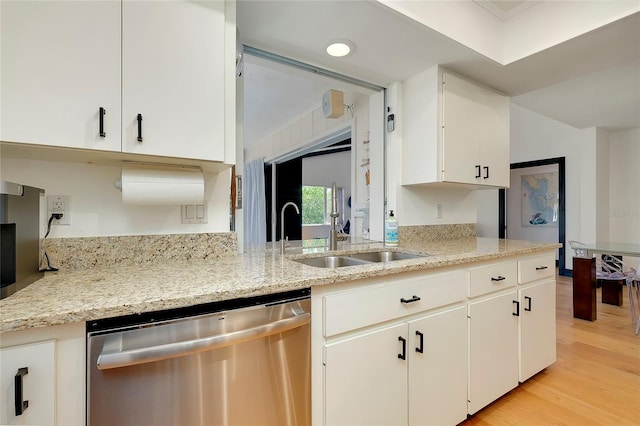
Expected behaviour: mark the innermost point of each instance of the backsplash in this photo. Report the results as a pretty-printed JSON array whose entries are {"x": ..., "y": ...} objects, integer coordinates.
[
  {"x": 87, "y": 252},
  {"x": 421, "y": 233}
]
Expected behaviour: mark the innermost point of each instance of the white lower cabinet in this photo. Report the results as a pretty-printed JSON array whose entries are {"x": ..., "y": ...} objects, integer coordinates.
[
  {"x": 512, "y": 325},
  {"x": 493, "y": 349},
  {"x": 365, "y": 381},
  {"x": 437, "y": 368},
  {"x": 537, "y": 328},
  {"x": 55, "y": 382},
  {"x": 409, "y": 373},
  {"x": 429, "y": 348},
  {"x": 28, "y": 384},
  {"x": 394, "y": 351}
]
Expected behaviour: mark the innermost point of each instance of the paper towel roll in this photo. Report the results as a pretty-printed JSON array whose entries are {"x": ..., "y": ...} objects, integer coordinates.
[{"x": 161, "y": 187}]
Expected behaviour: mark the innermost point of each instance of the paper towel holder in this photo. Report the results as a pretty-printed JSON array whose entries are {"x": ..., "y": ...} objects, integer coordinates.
[
  {"x": 126, "y": 164},
  {"x": 145, "y": 185}
]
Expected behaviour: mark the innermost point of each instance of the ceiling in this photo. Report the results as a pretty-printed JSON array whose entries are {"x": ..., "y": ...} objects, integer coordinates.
[
  {"x": 276, "y": 94},
  {"x": 589, "y": 81}
]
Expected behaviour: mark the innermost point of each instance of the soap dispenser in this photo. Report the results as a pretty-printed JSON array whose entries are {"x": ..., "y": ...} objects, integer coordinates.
[{"x": 391, "y": 230}]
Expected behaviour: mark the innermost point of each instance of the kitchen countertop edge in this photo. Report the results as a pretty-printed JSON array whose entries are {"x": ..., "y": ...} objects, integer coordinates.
[{"x": 78, "y": 296}]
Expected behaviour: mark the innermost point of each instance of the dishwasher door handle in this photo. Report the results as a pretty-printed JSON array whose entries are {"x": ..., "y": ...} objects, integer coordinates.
[{"x": 124, "y": 358}]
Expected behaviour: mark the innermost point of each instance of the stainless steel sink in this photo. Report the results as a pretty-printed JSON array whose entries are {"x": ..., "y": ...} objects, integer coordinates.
[
  {"x": 357, "y": 259},
  {"x": 331, "y": 261},
  {"x": 384, "y": 256}
]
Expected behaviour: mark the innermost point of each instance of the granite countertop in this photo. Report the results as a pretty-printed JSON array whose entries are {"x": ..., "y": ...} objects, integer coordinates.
[{"x": 102, "y": 292}]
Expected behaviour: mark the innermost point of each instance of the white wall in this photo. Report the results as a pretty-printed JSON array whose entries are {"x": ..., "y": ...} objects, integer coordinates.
[
  {"x": 315, "y": 170},
  {"x": 96, "y": 206},
  {"x": 314, "y": 173},
  {"x": 602, "y": 185},
  {"x": 624, "y": 179},
  {"x": 487, "y": 207},
  {"x": 535, "y": 137},
  {"x": 417, "y": 205},
  {"x": 601, "y": 199},
  {"x": 298, "y": 132}
]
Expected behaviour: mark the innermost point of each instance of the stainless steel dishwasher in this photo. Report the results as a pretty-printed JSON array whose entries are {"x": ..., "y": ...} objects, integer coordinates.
[{"x": 245, "y": 362}]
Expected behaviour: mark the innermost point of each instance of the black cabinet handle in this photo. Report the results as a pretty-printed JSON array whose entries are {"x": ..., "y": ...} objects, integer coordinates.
[
  {"x": 477, "y": 171},
  {"x": 540, "y": 268},
  {"x": 499, "y": 278},
  {"x": 420, "y": 348},
  {"x": 139, "y": 118},
  {"x": 486, "y": 172},
  {"x": 517, "y": 312},
  {"x": 403, "y": 355},
  {"x": 413, "y": 299},
  {"x": 20, "y": 404},
  {"x": 528, "y": 307},
  {"x": 101, "y": 114}
]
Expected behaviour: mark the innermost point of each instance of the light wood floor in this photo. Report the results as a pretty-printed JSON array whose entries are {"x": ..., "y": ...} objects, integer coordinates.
[{"x": 595, "y": 380}]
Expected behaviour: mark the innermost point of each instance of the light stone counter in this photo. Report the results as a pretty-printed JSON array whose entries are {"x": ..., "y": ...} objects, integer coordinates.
[{"x": 102, "y": 292}]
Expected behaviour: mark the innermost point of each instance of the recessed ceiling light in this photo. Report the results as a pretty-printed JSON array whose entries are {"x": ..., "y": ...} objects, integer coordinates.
[{"x": 339, "y": 48}]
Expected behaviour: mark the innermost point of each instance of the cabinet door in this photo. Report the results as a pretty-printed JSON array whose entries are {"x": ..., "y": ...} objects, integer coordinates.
[
  {"x": 537, "y": 328},
  {"x": 493, "y": 349},
  {"x": 365, "y": 380},
  {"x": 38, "y": 385},
  {"x": 475, "y": 135},
  {"x": 173, "y": 76},
  {"x": 460, "y": 137},
  {"x": 493, "y": 134},
  {"x": 60, "y": 64},
  {"x": 437, "y": 368}
]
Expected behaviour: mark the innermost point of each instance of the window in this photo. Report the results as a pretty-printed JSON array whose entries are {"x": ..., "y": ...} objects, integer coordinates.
[{"x": 316, "y": 205}]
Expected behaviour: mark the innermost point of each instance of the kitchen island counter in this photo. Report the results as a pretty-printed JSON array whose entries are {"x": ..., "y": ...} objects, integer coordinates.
[{"x": 102, "y": 292}]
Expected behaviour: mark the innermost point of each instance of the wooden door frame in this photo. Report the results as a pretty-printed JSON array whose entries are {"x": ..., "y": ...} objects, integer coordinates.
[{"x": 502, "y": 200}]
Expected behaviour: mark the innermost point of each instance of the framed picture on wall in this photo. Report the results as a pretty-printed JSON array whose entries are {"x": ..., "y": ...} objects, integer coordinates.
[{"x": 540, "y": 199}]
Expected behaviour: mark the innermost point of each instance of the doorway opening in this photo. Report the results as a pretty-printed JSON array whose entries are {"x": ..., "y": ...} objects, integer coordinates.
[
  {"x": 517, "y": 222},
  {"x": 305, "y": 180},
  {"x": 277, "y": 141}
]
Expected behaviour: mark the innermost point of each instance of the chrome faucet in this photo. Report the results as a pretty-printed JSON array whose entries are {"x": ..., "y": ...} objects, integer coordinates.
[
  {"x": 333, "y": 233},
  {"x": 290, "y": 203}
]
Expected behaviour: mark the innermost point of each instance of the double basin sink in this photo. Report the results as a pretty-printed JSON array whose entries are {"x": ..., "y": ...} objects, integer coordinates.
[{"x": 353, "y": 259}]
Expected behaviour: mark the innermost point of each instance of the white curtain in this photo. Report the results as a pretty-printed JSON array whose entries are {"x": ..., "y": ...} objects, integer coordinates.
[{"x": 255, "y": 216}]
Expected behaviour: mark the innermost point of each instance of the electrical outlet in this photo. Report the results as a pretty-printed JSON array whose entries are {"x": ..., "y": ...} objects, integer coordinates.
[
  {"x": 59, "y": 204},
  {"x": 438, "y": 211}
]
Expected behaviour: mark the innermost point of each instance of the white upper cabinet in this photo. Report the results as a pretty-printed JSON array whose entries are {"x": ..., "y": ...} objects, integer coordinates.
[
  {"x": 173, "y": 76},
  {"x": 60, "y": 65},
  {"x": 164, "y": 62},
  {"x": 454, "y": 131}
]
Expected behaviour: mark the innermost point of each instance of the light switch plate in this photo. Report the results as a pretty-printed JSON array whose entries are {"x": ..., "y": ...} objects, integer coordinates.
[{"x": 194, "y": 213}]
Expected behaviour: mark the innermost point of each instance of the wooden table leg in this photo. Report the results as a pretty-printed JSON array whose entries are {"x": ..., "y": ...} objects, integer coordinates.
[
  {"x": 612, "y": 291},
  {"x": 584, "y": 288}
]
